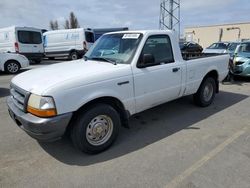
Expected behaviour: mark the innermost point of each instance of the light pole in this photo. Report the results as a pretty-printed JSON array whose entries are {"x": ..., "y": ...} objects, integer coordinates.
[{"x": 235, "y": 28}]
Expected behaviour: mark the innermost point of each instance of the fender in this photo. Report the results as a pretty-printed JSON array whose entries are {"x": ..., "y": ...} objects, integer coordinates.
[{"x": 128, "y": 104}]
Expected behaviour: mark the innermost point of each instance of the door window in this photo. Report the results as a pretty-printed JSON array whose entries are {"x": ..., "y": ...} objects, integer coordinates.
[{"x": 160, "y": 47}]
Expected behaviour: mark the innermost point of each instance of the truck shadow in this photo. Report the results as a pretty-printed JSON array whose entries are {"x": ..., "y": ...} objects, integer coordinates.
[
  {"x": 4, "y": 92},
  {"x": 146, "y": 128}
]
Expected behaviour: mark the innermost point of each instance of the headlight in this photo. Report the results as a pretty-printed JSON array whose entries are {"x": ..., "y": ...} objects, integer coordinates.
[{"x": 41, "y": 106}]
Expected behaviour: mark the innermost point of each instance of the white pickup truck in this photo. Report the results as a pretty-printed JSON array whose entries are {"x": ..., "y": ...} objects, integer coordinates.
[{"x": 122, "y": 74}]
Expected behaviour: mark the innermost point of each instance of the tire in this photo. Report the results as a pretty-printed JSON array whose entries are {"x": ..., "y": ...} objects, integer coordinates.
[
  {"x": 73, "y": 55},
  {"x": 37, "y": 61},
  {"x": 99, "y": 120},
  {"x": 12, "y": 67},
  {"x": 206, "y": 93}
]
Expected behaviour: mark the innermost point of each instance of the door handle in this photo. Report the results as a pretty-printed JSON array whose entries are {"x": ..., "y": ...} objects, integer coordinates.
[
  {"x": 176, "y": 69},
  {"x": 122, "y": 83}
]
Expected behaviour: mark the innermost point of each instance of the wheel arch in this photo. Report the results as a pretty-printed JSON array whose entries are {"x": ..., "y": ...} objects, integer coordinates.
[
  {"x": 113, "y": 101},
  {"x": 213, "y": 74},
  {"x": 72, "y": 50}
]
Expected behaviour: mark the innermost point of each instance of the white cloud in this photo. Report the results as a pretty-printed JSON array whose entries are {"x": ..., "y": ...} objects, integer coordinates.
[
  {"x": 188, "y": 5},
  {"x": 143, "y": 14}
]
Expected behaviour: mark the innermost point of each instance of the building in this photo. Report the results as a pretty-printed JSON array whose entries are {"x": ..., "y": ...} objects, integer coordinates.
[{"x": 206, "y": 35}]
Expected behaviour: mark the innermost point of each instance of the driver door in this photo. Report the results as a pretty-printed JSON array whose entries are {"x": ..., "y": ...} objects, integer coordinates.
[{"x": 159, "y": 81}]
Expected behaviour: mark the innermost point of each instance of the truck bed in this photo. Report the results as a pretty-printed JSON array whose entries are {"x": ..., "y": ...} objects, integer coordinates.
[{"x": 192, "y": 56}]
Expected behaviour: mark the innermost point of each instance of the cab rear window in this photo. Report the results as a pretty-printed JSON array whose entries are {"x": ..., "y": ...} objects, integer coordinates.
[{"x": 29, "y": 37}]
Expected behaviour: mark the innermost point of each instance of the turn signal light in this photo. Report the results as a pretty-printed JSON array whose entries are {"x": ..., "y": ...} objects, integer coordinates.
[{"x": 42, "y": 113}]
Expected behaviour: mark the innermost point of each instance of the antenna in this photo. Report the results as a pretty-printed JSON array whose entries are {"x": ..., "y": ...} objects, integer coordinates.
[{"x": 170, "y": 15}]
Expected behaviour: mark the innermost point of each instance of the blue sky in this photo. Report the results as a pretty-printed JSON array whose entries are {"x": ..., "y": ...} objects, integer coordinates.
[{"x": 136, "y": 14}]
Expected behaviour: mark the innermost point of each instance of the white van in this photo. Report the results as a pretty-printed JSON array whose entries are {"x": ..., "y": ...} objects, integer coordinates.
[
  {"x": 23, "y": 40},
  {"x": 72, "y": 43}
]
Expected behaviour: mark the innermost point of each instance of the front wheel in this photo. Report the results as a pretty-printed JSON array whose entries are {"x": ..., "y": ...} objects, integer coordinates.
[
  {"x": 12, "y": 67},
  {"x": 206, "y": 93},
  {"x": 96, "y": 129},
  {"x": 73, "y": 55}
]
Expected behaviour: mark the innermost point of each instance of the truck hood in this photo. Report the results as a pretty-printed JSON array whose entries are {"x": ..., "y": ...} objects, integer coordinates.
[{"x": 68, "y": 75}]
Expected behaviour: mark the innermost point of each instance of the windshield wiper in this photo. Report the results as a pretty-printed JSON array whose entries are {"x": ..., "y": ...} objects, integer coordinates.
[{"x": 103, "y": 59}]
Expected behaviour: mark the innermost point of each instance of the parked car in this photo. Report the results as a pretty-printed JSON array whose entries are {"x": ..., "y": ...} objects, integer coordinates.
[
  {"x": 71, "y": 43},
  {"x": 240, "y": 62},
  {"x": 124, "y": 73},
  {"x": 12, "y": 63},
  {"x": 191, "y": 47},
  {"x": 217, "y": 48},
  {"x": 22, "y": 40}
]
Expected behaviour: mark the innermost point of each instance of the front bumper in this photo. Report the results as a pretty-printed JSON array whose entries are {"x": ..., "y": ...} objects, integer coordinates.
[
  {"x": 241, "y": 70},
  {"x": 43, "y": 129}
]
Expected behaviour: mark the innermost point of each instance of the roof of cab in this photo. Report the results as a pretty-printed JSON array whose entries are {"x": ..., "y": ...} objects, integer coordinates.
[{"x": 143, "y": 32}]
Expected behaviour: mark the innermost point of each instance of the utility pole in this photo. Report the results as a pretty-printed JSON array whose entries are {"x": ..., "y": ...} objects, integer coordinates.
[{"x": 170, "y": 15}]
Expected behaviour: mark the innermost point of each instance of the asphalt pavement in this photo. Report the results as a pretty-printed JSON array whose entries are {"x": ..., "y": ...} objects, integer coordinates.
[{"x": 173, "y": 145}]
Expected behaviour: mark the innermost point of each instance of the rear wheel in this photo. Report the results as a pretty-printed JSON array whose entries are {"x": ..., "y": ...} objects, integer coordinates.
[
  {"x": 96, "y": 129},
  {"x": 206, "y": 93},
  {"x": 73, "y": 55},
  {"x": 12, "y": 67}
]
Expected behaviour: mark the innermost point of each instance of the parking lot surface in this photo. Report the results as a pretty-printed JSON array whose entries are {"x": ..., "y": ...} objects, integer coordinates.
[{"x": 174, "y": 145}]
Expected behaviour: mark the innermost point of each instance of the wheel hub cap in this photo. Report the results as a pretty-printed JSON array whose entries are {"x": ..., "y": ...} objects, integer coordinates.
[
  {"x": 12, "y": 67},
  {"x": 208, "y": 92},
  {"x": 74, "y": 56},
  {"x": 99, "y": 130}
]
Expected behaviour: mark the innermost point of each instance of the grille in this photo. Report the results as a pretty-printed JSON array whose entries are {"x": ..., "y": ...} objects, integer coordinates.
[{"x": 19, "y": 97}]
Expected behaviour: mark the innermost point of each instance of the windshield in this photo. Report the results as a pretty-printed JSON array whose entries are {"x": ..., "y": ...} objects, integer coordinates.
[
  {"x": 243, "y": 48},
  {"x": 232, "y": 46},
  {"x": 118, "y": 48},
  {"x": 218, "y": 46}
]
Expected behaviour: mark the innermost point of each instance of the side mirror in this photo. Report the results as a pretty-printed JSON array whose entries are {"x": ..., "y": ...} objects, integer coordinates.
[{"x": 146, "y": 60}]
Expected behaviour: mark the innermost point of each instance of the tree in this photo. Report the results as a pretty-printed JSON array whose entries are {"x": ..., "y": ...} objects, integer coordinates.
[
  {"x": 53, "y": 25},
  {"x": 66, "y": 26},
  {"x": 72, "y": 22}
]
